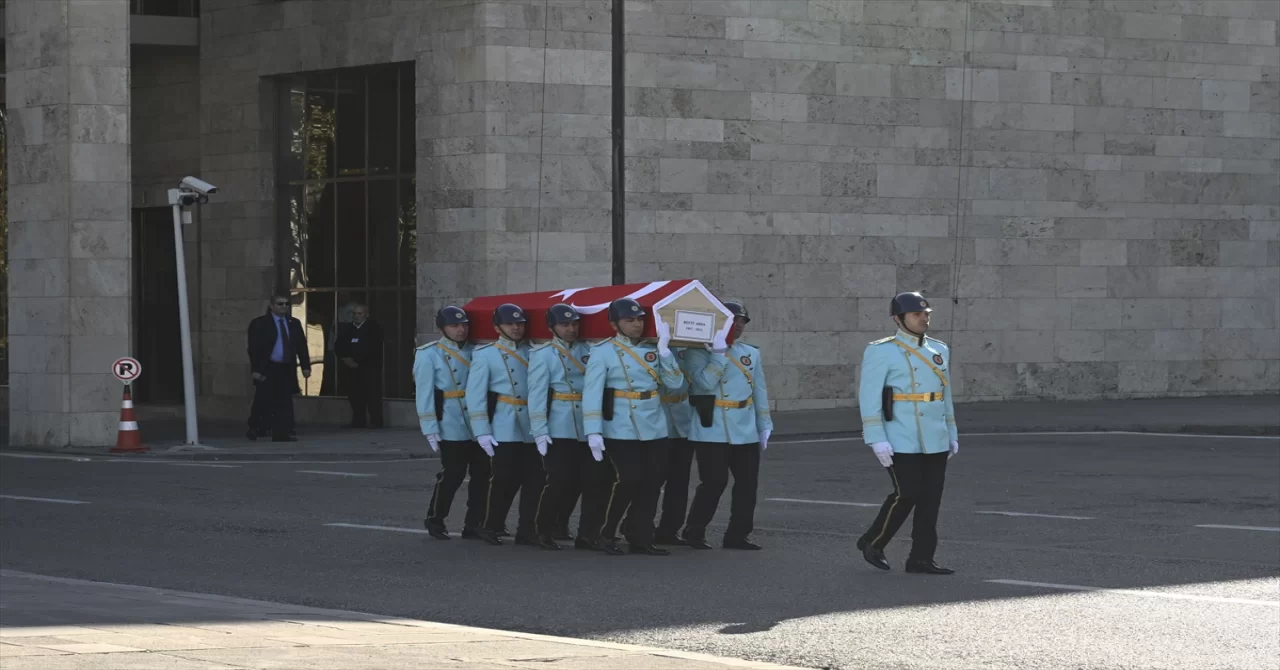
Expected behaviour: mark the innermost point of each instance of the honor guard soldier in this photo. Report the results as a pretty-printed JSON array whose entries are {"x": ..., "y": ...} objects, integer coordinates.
[
  {"x": 730, "y": 429},
  {"x": 909, "y": 421},
  {"x": 440, "y": 372},
  {"x": 624, "y": 420},
  {"x": 498, "y": 405},
  {"x": 556, "y": 373}
]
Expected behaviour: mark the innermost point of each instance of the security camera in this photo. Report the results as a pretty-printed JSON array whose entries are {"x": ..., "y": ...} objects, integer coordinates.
[{"x": 199, "y": 186}]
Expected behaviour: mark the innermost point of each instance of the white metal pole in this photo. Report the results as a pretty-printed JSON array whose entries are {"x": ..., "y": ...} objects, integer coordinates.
[{"x": 184, "y": 318}]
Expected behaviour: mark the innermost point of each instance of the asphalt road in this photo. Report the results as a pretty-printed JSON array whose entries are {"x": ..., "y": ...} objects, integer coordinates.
[{"x": 1117, "y": 574}]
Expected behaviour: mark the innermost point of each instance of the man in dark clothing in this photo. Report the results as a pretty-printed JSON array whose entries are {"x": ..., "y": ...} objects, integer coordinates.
[
  {"x": 359, "y": 347},
  {"x": 277, "y": 346}
]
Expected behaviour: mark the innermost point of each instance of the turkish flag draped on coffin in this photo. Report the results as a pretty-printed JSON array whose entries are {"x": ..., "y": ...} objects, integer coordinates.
[{"x": 684, "y": 304}]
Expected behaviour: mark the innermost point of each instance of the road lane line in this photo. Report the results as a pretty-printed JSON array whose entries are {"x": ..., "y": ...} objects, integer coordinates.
[
  {"x": 48, "y": 457},
  {"x": 48, "y": 500},
  {"x": 1039, "y": 516},
  {"x": 395, "y": 529},
  {"x": 339, "y": 474},
  {"x": 1267, "y": 529},
  {"x": 824, "y": 502},
  {"x": 1133, "y": 592},
  {"x": 203, "y": 465}
]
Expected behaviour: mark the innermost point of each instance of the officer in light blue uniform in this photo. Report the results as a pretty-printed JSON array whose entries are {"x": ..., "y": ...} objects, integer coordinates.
[
  {"x": 730, "y": 429},
  {"x": 622, "y": 412},
  {"x": 557, "y": 371},
  {"x": 440, "y": 373},
  {"x": 498, "y": 406},
  {"x": 909, "y": 421}
]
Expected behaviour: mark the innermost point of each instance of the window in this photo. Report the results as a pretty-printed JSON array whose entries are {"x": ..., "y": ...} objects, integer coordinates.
[
  {"x": 182, "y": 8},
  {"x": 348, "y": 218}
]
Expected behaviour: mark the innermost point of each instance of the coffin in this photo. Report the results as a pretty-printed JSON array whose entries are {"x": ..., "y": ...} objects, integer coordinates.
[{"x": 693, "y": 312}]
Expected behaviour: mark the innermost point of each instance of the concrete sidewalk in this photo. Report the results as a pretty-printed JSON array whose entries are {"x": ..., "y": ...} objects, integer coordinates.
[
  {"x": 51, "y": 623},
  {"x": 1223, "y": 415}
]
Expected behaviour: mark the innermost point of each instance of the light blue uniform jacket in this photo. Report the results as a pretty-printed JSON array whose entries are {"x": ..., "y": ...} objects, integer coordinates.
[
  {"x": 442, "y": 365},
  {"x": 558, "y": 367},
  {"x": 501, "y": 367},
  {"x": 918, "y": 426},
  {"x": 733, "y": 376},
  {"x": 622, "y": 365}
]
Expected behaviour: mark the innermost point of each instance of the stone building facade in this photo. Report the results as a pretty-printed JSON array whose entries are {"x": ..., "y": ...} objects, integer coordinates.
[{"x": 1087, "y": 189}]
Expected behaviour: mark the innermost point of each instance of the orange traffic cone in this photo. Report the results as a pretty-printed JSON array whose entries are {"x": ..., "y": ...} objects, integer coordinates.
[{"x": 129, "y": 439}]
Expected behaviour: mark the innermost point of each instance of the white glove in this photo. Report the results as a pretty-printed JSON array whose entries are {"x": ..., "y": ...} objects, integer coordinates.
[
  {"x": 764, "y": 439},
  {"x": 884, "y": 452},
  {"x": 955, "y": 447},
  {"x": 596, "y": 442},
  {"x": 720, "y": 343},
  {"x": 487, "y": 443},
  {"x": 434, "y": 441},
  {"x": 543, "y": 441},
  {"x": 664, "y": 338}
]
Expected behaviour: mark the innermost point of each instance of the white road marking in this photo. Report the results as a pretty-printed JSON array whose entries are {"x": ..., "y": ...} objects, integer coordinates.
[
  {"x": 49, "y": 457},
  {"x": 1040, "y": 516},
  {"x": 395, "y": 529},
  {"x": 340, "y": 474},
  {"x": 1268, "y": 529},
  {"x": 824, "y": 502},
  {"x": 204, "y": 465},
  {"x": 1144, "y": 594},
  {"x": 781, "y": 439},
  {"x": 1126, "y": 432},
  {"x": 48, "y": 500}
]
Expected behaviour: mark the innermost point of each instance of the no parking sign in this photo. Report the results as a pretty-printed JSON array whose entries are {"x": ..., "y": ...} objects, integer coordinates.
[{"x": 126, "y": 369}]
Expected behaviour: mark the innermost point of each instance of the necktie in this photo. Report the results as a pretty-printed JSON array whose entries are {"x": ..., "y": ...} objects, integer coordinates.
[{"x": 285, "y": 344}]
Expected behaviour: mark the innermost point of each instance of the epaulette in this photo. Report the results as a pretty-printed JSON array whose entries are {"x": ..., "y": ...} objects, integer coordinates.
[
  {"x": 537, "y": 347},
  {"x": 882, "y": 340},
  {"x": 749, "y": 346},
  {"x": 427, "y": 345},
  {"x": 484, "y": 346},
  {"x": 934, "y": 339},
  {"x": 602, "y": 342}
]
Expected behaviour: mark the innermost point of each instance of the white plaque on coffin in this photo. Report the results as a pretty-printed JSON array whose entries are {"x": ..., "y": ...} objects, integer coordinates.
[{"x": 694, "y": 326}]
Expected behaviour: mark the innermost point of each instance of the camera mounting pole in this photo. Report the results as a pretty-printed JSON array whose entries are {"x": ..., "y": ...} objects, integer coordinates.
[{"x": 179, "y": 198}]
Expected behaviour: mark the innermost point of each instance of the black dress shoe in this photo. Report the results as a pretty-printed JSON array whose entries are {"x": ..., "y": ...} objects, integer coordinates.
[
  {"x": 470, "y": 534},
  {"x": 743, "y": 543},
  {"x": 546, "y": 542},
  {"x": 673, "y": 540},
  {"x": 563, "y": 535},
  {"x": 648, "y": 550},
  {"x": 861, "y": 543},
  {"x": 697, "y": 543},
  {"x": 875, "y": 556},
  {"x": 591, "y": 545},
  {"x": 488, "y": 536},
  {"x": 503, "y": 533},
  {"x": 436, "y": 530},
  {"x": 928, "y": 568}
]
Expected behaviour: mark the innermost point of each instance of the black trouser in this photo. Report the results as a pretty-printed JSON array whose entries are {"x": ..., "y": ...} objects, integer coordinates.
[
  {"x": 273, "y": 400},
  {"x": 560, "y": 468},
  {"x": 917, "y": 483},
  {"x": 455, "y": 459},
  {"x": 573, "y": 486},
  {"x": 365, "y": 395},
  {"x": 599, "y": 482},
  {"x": 640, "y": 468},
  {"x": 517, "y": 466},
  {"x": 716, "y": 460},
  {"x": 675, "y": 490}
]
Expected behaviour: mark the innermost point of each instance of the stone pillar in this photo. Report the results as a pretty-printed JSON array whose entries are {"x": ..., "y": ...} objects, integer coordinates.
[{"x": 69, "y": 218}]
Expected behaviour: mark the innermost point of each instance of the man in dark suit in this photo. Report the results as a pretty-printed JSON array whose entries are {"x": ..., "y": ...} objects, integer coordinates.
[
  {"x": 359, "y": 347},
  {"x": 277, "y": 346}
]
